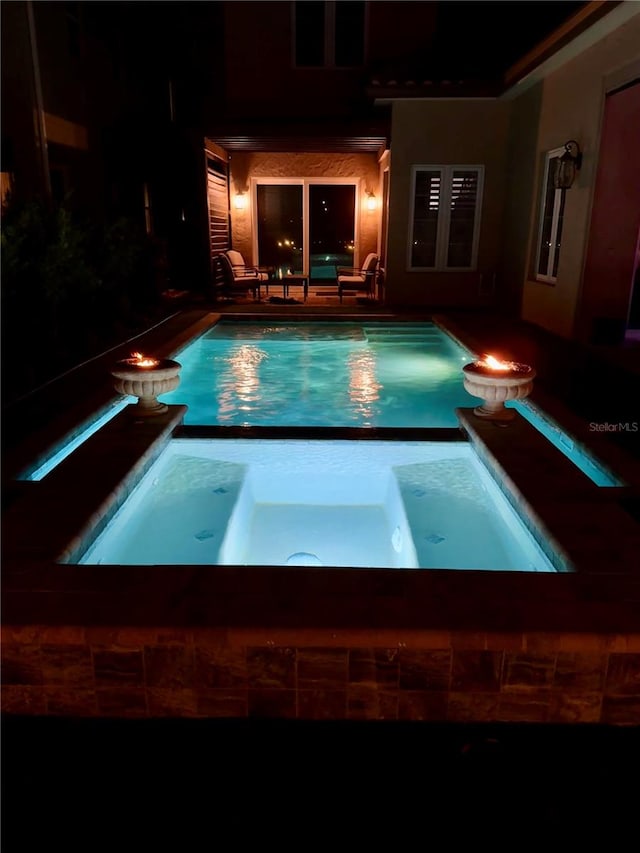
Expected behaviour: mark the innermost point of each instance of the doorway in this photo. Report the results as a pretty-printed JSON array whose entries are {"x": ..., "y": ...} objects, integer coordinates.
[
  {"x": 280, "y": 231},
  {"x": 306, "y": 226},
  {"x": 331, "y": 229}
]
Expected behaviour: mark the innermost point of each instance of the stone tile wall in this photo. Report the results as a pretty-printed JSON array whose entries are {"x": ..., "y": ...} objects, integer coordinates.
[{"x": 439, "y": 676}]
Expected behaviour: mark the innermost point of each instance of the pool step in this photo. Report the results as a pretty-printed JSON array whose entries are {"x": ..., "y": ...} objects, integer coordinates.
[{"x": 404, "y": 336}]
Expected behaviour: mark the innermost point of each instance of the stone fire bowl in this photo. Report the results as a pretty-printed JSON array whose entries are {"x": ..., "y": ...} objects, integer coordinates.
[
  {"x": 496, "y": 388},
  {"x": 146, "y": 383}
]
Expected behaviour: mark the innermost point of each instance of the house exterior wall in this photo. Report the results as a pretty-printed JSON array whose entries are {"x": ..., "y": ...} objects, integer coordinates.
[
  {"x": 244, "y": 166},
  {"x": 462, "y": 132},
  {"x": 262, "y": 81},
  {"x": 572, "y": 108},
  {"x": 520, "y": 197},
  {"x": 65, "y": 92},
  {"x": 615, "y": 223}
]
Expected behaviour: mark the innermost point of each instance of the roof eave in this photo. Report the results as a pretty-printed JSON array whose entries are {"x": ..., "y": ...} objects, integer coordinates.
[
  {"x": 582, "y": 30},
  {"x": 579, "y": 32}
]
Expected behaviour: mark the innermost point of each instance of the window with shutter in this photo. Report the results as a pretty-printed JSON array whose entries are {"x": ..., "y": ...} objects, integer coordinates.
[{"x": 445, "y": 217}]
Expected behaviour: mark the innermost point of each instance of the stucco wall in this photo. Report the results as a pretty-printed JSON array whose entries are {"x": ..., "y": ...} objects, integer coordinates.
[
  {"x": 615, "y": 223},
  {"x": 520, "y": 197},
  {"x": 262, "y": 80},
  {"x": 571, "y": 108},
  {"x": 464, "y": 132},
  {"x": 363, "y": 168}
]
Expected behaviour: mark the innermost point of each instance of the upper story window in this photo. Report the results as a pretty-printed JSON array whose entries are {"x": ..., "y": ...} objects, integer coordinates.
[
  {"x": 551, "y": 216},
  {"x": 329, "y": 33},
  {"x": 445, "y": 217},
  {"x": 74, "y": 28}
]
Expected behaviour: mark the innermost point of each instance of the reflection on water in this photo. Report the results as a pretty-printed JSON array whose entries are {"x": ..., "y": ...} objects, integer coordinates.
[
  {"x": 363, "y": 386},
  {"x": 239, "y": 384}
]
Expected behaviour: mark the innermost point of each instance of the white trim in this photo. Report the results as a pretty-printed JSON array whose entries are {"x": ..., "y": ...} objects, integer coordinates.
[
  {"x": 444, "y": 216},
  {"x": 617, "y": 17},
  {"x": 548, "y": 277}
]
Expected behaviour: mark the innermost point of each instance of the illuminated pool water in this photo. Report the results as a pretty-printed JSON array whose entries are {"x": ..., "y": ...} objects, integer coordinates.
[
  {"x": 340, "y": 374},
  {"x": 41, "y": 467},
  {"x": 374, "y": 504},
  {"x": 337, "y": 374},
  {"x": 328, "y": 374}
]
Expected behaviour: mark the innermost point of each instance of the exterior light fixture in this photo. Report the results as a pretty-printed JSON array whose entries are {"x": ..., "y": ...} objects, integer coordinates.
[
  {"x": 240, "y": 201},
  {"x": 568, "y": 165},
  {"x": 372, "y": 202}
]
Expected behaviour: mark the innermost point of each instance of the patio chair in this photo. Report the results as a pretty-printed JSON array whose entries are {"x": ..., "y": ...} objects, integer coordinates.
[
  {"x": 359, "y": 280},
  {"x": 239, "y": 280},
  {"x": 241, "y": 269}
]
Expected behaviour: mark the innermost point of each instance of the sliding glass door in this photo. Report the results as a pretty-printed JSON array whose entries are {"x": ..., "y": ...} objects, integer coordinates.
[
  {"x": 305, "y": 227},
  {"x": 280, "y": 227},
  {"x": 331, "y": 228}
]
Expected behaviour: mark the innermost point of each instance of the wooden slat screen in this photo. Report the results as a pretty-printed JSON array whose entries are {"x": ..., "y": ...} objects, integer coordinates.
[{"x": 218, "y": 203}]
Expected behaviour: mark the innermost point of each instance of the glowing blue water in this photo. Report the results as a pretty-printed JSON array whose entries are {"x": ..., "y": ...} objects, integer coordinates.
[
  {"x": 359, "y": 504},
  {"x": 322, "y": 374},
  {"x": 327, "y": 374}
]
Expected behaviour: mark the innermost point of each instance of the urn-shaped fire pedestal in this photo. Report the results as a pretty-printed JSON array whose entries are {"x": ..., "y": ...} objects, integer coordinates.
[
  {"x": 497, "y": 382},
  {"x": 146, "y": 378}
]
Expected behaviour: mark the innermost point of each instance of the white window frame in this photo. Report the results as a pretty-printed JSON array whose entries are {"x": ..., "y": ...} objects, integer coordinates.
[
  {"x": 444, "y": 217},
  {"x": 548, "y": 277},
  {"x": 305, "y": 183}
]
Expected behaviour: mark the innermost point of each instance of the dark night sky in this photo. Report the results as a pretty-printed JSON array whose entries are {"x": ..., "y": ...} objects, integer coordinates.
[{"x": 477, "y": 36}]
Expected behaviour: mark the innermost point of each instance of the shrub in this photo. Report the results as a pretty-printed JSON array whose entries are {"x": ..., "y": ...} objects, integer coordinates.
[{"x": 69, "y": 289}]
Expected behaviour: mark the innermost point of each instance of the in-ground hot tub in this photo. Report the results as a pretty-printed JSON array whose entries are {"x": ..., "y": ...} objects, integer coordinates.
[{"x": 369, "y": 504}]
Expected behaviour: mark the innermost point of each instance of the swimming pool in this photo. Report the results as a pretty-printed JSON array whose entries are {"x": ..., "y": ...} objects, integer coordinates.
[
  {"x": 354, "y": 504},
  {"x": 351, "y": 374},
  {"x": 322, "y": 373},
  {"x": 337, "y": 374}
]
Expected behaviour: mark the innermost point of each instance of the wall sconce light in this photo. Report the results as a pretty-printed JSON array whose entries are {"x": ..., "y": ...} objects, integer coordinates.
[
  {"x": 240, "y": 201},
  {"x": 372, "y": 202},
  {"x": 568, "y": 165}
]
